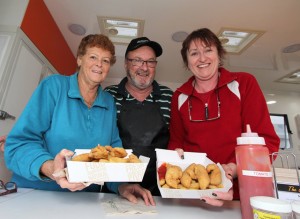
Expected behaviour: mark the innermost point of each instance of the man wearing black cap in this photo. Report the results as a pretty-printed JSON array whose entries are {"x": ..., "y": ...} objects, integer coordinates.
[{"x": 143, "y": 106}]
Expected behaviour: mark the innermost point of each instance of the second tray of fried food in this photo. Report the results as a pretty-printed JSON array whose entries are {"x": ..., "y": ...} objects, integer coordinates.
[{"x": 195, "y": 176}]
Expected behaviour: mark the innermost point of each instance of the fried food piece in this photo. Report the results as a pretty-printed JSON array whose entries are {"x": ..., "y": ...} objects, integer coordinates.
[
  {"x": 118, "y": 152},
  {"x": 166, "y": 186},
  {"x": 180, "y": 186},
  {"x": 220, "y": 185},
  {"x": 162, "y": 182},
  {"x": 108, "y": 147},
  {"x": 104, "y": 161},
  {"x": 133, "y": 159},
  {"x": 214, "y": 173},
  {"x": 202, "y": 176},
  {"x": 186, "y": 180},
  {"x": 117, "y": 159},
  {"x": 191, "y": 171},
  {"x": 194, "y": 185},
  {"x": 99, "y": 152},
  {"x": 82, "y": 157},
  {"x": 215, "y": 187},
  {"x": 173, "y": 175},
  {"x": 188, "y": 175}
]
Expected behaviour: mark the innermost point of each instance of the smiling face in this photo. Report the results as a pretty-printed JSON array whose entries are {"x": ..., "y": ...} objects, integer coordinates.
[
  {"x": 203, "y": 61},
  {"x": 143, "y": 76},
  {"x": 94, "y": 65}
]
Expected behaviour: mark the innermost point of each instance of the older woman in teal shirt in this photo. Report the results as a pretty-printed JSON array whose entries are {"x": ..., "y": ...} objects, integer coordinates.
[{"x": 63, "y": 114}]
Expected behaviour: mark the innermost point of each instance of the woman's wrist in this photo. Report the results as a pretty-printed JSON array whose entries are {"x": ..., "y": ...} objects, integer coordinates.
[{"x": 47, "y": 169}]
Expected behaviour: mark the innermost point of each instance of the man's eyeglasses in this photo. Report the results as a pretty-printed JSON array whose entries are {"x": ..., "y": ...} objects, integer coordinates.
[
  {"x": 140, "y": 62},
  {"x": 7, "y": 188},
  {"x": 206, "y": 112}
]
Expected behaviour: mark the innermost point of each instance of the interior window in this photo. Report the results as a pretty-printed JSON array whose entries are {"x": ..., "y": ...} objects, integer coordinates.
[{"x": 282, "y": 128}]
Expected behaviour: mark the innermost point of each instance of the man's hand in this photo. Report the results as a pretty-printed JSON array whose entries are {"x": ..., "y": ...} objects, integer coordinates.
[{"x": 132, "y": 191}]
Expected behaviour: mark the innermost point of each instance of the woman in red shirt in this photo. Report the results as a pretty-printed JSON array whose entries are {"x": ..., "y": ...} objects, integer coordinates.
[{"x": 212, "y": 108}]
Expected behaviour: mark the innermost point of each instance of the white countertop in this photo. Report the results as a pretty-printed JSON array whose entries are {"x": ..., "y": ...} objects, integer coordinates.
[{"x": 33, "y": 204}]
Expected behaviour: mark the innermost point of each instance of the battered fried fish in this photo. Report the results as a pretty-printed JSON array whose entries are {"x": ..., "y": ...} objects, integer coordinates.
[
  {"x": 173, "y": 175},
  {"x": 117, "y": 159},
  {"x": 99, "y": 152},
  {"x": 82, "y": 157},
  {"x": 133, "y": 159},
  {"x": 118, "y": 152},
  {"x": 202, "y": 176},
  {"x": 215, "y": 174}
]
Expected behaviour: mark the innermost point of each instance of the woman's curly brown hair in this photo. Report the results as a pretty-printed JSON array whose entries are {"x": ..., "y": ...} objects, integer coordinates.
[{"x": 99, "y": 41}]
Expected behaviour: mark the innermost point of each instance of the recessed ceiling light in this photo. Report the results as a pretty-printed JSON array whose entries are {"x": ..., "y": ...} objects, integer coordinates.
[
  {"x": 121, "y": 30},
  {"x": 235, "y": 41},
  {"x": 271, "y": 102},
  {"x": 77, "y": 29},
  {"x": 179, "y": 36},
  {"x": 292, "y": 48}
]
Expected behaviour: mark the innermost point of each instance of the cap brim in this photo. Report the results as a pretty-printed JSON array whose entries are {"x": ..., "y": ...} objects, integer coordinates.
[{"x": 154, "y": 45}]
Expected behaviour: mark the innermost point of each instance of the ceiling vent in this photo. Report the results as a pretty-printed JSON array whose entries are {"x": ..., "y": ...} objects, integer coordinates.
[{"x": 121, "y": 30}]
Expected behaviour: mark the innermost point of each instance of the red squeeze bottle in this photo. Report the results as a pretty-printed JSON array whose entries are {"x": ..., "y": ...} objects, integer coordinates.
[{"x": 253, "y": 169}]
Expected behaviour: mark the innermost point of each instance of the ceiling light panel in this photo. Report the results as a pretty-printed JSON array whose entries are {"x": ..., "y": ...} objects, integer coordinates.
[
  {"x": 292, "y": 78},
  {"x": 234, "y": 34},
  {"x": 235, "y": 41},
  {"x": 121, "y": 30}
]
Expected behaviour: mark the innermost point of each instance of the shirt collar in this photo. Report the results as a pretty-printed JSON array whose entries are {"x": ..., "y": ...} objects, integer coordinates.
[{"x": 75, "y": 93}]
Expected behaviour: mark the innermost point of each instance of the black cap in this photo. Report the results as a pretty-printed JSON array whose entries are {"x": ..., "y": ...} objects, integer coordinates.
[{"x": 144, "y": 41}]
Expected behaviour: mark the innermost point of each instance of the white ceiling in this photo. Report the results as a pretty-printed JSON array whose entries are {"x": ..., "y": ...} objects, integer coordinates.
[{"x": 280, "y": 19}]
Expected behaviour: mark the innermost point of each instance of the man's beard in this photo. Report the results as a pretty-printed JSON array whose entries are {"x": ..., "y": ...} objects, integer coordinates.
[{"x": 136, "y": 83}]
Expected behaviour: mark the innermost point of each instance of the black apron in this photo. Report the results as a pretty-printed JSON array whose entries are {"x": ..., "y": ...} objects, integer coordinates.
[{"x": 142, "y": 128}]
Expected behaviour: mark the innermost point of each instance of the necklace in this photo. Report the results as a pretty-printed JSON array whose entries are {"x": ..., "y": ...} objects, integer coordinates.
[{"x": 205, "y": 97}]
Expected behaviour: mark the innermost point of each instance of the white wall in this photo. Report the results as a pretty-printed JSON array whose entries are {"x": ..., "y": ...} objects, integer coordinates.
[{"x": 12, "y": 12}]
